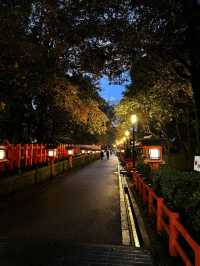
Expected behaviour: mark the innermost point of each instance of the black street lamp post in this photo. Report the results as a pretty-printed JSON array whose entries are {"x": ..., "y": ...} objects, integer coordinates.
[{"x": 133, "y": 121}]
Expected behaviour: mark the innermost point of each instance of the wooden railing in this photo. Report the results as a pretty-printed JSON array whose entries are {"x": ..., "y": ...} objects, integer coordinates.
[
  {"x": 28, "y": 155},
  {"x": 168, "y": 221}
]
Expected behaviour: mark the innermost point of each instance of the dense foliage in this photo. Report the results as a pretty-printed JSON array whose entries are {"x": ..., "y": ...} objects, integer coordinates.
[
  {"x": 46, "y": 45},
  {"x": 165, "y": 72},
  {"x": 48, "y": 90},
  {"x": 181, "y": 191}
]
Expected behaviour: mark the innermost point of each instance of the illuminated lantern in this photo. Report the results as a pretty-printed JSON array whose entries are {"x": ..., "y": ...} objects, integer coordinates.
[
  {"x": 83, "y": 151},
  {"x": 2, "y": 153},
  {"x": 154, "y": 154},
  {"x": 52, "y": 153},
  {"x": 71, "y": 151}
]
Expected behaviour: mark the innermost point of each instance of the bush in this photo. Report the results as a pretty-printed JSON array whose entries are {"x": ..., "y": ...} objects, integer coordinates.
[
  {"x": 145, "y": 170},
  {"x": 181, "y": 191}
]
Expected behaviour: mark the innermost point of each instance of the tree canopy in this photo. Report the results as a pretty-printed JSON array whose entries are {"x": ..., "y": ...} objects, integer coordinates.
[{"x": 53, "y": 53}]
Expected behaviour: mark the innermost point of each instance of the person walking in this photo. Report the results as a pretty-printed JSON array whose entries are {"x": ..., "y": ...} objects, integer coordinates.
[
  {"x": 107, "y": 154},
  {"x": 102, "y": 155}
]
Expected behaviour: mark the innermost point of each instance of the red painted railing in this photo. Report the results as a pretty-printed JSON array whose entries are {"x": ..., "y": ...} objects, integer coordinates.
[
  {"x": 28, "y": 155},
  {"x": 168, "y": 221}
]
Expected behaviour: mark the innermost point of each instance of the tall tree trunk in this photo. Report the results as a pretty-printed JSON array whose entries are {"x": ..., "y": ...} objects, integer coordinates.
[{"x": 192, "y": 13}]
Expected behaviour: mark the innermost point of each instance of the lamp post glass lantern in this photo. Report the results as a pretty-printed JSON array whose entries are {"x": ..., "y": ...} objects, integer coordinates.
[
  {"x": 133, "y": 122},
  {"x": 154, "y": 154},
  {"x": 2, "y": 153},
  {"x": 70, "y": 152},
  {"x": 127, "y": 133},
  {"x": 52, "y": 153}
]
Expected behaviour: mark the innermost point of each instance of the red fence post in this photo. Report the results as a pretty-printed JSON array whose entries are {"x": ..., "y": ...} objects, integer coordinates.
[
  {"x": 144, "y": 193},
  {"x": 173, "y": 234},
  {"x": 25, "y": 154},
  {"x": 40, "y": 154},
  {"x": 140, "y": 186},
  {"x": 18, "y": 155},
  {"x": 134, "y": 176},
  {"x": 31, "y": 155},
  {"x": 197, "y": 256},
  {"x": 160, "y": 202},
  {"x": 150, "y": 203},
  {"x": 142, "y": 189},
  {"x": 10, "y": 156}
]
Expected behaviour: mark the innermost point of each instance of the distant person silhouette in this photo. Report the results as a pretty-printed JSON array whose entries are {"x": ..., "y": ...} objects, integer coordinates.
[
  {"x": 102, "y": 155},
  {"x": 107, "y": 154}
]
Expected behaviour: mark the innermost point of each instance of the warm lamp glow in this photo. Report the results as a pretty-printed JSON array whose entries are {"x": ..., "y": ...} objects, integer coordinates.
[
  {"x": 133, "y": 119},
  {"x": 127, "y": 133},
  {"x": 124, "y": 139},
  {"x": 154, "y": 154},
  {"x": 83, "y": 151},
  {"x": 52, "y": 152},
  {"x": 2, "y": 153},
  {"x": 70, "y": 151}
]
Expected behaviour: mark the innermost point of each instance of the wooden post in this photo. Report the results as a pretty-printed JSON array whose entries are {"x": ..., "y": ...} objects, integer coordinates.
[
  {"x": 150, "y": 203},
  {"x": 70, "y": 161},
  {"x": 26, "y": 154},
  {"x": 137, "y": 182},
  {"x": 52, "y": 166},
  {"x": 144, "y": 193},
  {"x": 31, "y": 155},
  {"x": 18, "y": 155},
  {"x": 40, "y": 154},
  {"x": 36, "y": 154},
  {"x": 10, "y": 156},
  {"x": 172, "y": 233},
  {"x": 160, "y": 202},
  {"x": 197, "y": 256}
]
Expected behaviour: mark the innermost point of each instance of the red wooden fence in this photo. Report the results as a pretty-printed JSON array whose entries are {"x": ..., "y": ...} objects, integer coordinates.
[
  {"x": 172, "y": 226},
  {"x": 28, "y": 155}
]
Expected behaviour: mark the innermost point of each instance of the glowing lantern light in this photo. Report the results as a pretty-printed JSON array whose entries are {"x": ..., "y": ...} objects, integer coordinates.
[
  {"x": 70, "y": 152},
  {"x": 2, "y": 153},
  {"x": 154, "y": 154},
  {"x": 52, "y": 153}
]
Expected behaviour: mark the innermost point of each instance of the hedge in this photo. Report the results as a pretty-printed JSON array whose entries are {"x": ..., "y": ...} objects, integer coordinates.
[{"x": 181, "y": 191}]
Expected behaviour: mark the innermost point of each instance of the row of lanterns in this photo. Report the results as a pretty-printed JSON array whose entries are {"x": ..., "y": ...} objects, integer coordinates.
[
  {"x": 70, "y": 151},
  {"x": 52, "y": 152}
]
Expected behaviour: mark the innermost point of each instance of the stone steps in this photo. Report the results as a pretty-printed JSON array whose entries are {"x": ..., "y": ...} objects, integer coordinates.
[{"x": 66, "y": 254}]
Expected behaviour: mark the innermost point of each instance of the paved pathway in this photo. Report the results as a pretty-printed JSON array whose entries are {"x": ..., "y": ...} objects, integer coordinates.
[{"x": 82, "y": 207}]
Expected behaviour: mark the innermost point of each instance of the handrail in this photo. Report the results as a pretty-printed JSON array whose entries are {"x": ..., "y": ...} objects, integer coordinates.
[
  {"x": 28, "y": 155},
  {"x": 173, "y": 228}
]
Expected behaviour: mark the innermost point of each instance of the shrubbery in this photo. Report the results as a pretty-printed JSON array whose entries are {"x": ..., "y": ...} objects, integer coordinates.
[
  {"x": 181, "y": 191},
  {"x": 145, "y": 170}
]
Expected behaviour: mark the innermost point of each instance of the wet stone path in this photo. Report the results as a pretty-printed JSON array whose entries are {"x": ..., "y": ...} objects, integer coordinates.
[
  {"x": 73, "y": 220},
  {"x": 82, "y": 207}
]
